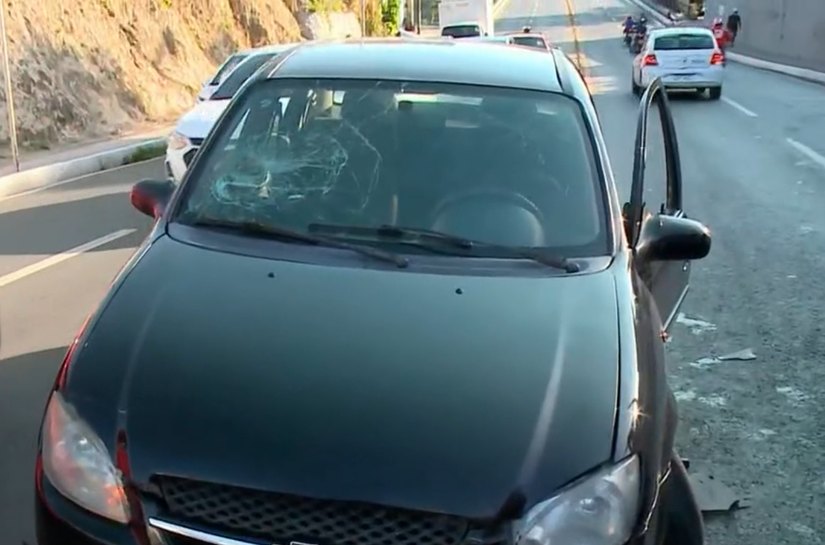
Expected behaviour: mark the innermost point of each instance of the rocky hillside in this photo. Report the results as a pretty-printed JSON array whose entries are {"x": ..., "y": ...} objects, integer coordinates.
[{"x": 91, "y": 68}]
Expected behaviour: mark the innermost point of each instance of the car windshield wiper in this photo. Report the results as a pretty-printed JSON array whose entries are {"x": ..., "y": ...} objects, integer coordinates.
[
  {"x": 289, "y": 235},
  {"x": 412, "y": 235},
  {"x": 391, "y": 231},
  {"x": 403, "y": 234}
]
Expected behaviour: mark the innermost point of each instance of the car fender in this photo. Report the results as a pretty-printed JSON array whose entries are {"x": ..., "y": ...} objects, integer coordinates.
[
  {"x": 647, "y": 415},
  {"x": 680, "y": 508}
]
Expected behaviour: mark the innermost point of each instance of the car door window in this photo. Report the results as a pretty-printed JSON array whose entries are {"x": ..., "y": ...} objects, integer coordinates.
[{"x": 657, "y": 189}]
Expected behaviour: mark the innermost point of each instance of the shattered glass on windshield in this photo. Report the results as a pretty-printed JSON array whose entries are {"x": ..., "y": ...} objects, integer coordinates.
[
  {"x": 325, "y": 149},
  {"x": 361, "y": 153}
]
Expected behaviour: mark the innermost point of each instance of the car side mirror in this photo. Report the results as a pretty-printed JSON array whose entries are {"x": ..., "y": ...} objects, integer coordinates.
[
  {"x": 671, "y": 238},
  {"x": 151, "y": 196}
]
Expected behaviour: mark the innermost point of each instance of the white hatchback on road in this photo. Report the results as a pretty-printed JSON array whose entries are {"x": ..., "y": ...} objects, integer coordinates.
[
  {"x": 684, "y": 57},
  {"x": 193, "y": 127}
]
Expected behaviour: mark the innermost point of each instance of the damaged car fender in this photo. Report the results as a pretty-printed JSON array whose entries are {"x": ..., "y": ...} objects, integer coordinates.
[{"x": 647, "y": 415}]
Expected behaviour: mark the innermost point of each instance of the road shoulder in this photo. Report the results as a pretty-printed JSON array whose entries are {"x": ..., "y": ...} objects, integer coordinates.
[{"x": 59, "y": 167}]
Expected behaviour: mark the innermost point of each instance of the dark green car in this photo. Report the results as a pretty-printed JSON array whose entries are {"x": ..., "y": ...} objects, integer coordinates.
[{"x": 394, "y": 301}]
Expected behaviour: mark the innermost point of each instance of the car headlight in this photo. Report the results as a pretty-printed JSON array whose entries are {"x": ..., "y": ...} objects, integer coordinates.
[
  {"x": 78, "y": 465},
  {"x": 600, "y": 510},
  {"x": 178, "y": 141}
]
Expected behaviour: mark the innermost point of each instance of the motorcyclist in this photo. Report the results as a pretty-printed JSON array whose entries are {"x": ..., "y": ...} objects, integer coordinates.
[
  {"x": 639, "y": 33},
  {"x": 629, "y": 23},
  {"x": 723, "y": 35},
  {"x": 627, "y": 29},
  {"x": 641, "y": 26}
]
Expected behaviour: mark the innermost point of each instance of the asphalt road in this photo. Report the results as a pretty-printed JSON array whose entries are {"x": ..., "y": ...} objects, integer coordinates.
[
  {"x": 41, "y": 310},
  {"x": 754, "y": 170}
]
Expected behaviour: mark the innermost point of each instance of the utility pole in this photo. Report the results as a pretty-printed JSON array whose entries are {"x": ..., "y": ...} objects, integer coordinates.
[
  {"x": 363, "y": 18},
  {"x": 9, "y": 96}
]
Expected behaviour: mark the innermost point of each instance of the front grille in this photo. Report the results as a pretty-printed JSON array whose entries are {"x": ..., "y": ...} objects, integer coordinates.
[
  {"x": 189, "y": 155},
  {"x": 284, "y": 518},
  {"x": 172, "y": 539}
]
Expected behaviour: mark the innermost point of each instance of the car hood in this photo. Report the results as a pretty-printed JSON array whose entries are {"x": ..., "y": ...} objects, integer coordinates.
[
  {"x": 435, "y": 392},
  {"x": 197, "y": 122}
]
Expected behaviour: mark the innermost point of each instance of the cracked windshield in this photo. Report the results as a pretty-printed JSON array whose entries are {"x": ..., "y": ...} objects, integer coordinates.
[
  {"x": 333, "y": 156},
  {"x": 412, "y": 272}
]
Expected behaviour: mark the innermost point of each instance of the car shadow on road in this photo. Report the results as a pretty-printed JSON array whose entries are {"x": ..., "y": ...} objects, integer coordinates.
[
  {"x": 25, "y": 382},
  {"x": 53, "y": 228}
]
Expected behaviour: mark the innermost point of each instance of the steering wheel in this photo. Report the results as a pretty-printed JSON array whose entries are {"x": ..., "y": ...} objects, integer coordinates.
[{"x": 528, "y": 213}]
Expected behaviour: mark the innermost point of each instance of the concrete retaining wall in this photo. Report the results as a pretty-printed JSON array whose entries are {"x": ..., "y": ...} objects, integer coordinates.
[{"x": 784, "y": 31}]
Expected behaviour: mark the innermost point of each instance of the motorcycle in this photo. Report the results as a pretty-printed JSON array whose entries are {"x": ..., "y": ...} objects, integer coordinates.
[
  {"x": 628, "y": 36},
  {"x": 723, "y": 36},
  {"x": 638, "y": 42}
]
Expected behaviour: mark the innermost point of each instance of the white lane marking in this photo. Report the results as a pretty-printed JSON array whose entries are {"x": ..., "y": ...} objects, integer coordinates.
[
  {"x": 51, "y": 261},
  {"x": 807, "y": 152},
  {"x": 739, "y": 107},
  {"x": 73, "y": 180},
  {"x": 589, "y": 62},
  {"x": 533, "y": 13}
]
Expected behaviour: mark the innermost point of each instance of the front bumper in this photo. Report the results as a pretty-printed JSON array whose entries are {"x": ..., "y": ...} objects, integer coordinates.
[
  {"x": 177, "y": 161},
  {"x": 59, "y": 521}
]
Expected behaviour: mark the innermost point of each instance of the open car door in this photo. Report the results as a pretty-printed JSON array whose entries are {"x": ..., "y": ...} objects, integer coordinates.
[{"x": 662, "y": 238}]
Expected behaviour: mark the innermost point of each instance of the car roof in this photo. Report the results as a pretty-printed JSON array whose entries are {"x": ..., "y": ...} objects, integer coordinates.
[
  {"x": 476, "y": 62},
  {"x": 529, "y": 35},
  {"x": 670, "y": 31},
  {"x": 497, "y": 38},
  {"x": 274, "y": 48}
]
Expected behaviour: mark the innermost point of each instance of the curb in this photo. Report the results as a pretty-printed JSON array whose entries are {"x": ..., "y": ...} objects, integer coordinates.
[
  {"x": 801, "y": 73},
  {"x": 46, "y": 175},
  {"x": 793, "y": 71}
]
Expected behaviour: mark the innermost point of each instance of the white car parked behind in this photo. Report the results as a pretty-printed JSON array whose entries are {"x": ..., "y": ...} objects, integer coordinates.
[
  {"x": 193, "y": 127},
  {"x": 684, "y": 57}
]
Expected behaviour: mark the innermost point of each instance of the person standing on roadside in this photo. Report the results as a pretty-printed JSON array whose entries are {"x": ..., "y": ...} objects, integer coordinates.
[{"x": 734, "y": 25}]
